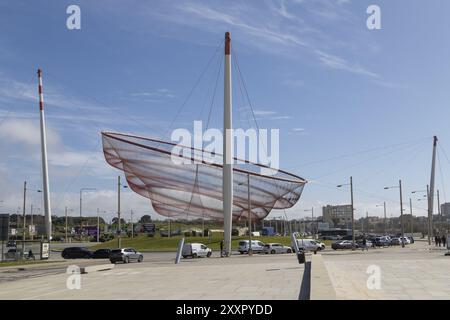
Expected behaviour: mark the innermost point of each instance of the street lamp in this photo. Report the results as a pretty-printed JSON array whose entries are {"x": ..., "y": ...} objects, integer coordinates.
[
  {"x": 98, "y": 223},
  {"x": 250, "y": 251},
  {"x": 401, "y": 209},
  {"x": 352, "y": 209},
  {"x": 385, "y": 220},
  {"x": 24, "y": 217},
  {"x": 81, "y": 209},
  {"x": 312, "y": 221},
  {"x": 119, "y": 185}
]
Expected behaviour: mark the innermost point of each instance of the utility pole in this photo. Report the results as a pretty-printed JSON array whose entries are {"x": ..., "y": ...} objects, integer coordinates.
[
  {"x": 31, "y": 222},
  {"x": 24, "y": 218},
  {"x": 401, "y": 213},
  {"x": 412, "y": 219},
  {"x": 66, "y": 224},
  {"x": 429, "y": 220},
  {"x": 119, "y": 230},
  {"x": 439, "y": 207},
  {"x": 98, "y": 225},
  {"x": 353, "y": 214},
  {"x": 132, "y": 227},
  {"x": 367, "y": 221},
  {"x": 385, "y": 219}
]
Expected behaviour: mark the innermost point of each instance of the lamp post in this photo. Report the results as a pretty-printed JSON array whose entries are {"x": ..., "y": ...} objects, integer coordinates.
[
  {"x": 427, "y": 195},
  {"x": 119, "y": 238},
  {"x": 24, "y": 216},
  {"x": 385, "y": 220},
  {"x": 352, "y": 209},
  {"x": 401, "y": 209},
  {"x": 98, "y": 223},
  {"x": 81, "y": 209},
  {"x": 312, "y": 221}
]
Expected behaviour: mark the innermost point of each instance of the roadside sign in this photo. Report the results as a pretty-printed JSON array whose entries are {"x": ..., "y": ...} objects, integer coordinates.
[
  {"x": 13, "y": 232},
  {"x": 45, "y": 250},
  {"x": 32, "y": 229}
]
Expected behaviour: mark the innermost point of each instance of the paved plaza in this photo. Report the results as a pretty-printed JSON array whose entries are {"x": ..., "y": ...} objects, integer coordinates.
[
  {"x": 265, "y": 277},
  {"x": 414, "y": 272}
]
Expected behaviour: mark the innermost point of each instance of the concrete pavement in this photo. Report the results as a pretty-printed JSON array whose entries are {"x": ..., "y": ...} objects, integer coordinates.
[{"x": 264, "y": 277}]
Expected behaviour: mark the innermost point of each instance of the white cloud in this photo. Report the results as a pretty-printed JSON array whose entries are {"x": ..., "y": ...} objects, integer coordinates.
[{"x": 25, "y": 131}]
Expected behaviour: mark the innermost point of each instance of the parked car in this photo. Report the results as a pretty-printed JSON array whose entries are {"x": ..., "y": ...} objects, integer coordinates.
[
  {"x": 344, "y": 244},
  {"x": 398, "y": 241},
  {"x": 13, "y": 254},
  {"x": 411, "y": 239},
  {"x": 195, "y": 250},
  {"x": 382, "y": 241},
  {"x": 309, "y": 245},
  {"x": 125, "y": 255},
  {"x": 11, "y": 244},
  {"x": 257, "y": 246},
  {"x": 76, "y": 252},
  {"x": 101, "y": 254},
  {"x": 276, "y": 248}
]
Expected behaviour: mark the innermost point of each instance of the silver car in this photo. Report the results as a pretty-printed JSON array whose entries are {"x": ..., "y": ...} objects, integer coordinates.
[
  {"x": 125, "y": 255},
  {"x": 276, "y": 248}
]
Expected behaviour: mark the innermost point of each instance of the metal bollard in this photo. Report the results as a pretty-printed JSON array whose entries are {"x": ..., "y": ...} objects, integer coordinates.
[{"x": 301, "y": 256}]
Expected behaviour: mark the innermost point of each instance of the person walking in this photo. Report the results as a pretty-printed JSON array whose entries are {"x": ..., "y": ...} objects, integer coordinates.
[
  {"x": 444, "y": 240},
  {"x": 364, "y": 244},
  {"x": 436, "y": 241}
]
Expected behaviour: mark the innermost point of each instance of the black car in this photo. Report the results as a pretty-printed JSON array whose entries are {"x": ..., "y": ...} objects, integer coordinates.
[
  {"x": 101, "y": 254},
  {"x": 76, "y": 252}
]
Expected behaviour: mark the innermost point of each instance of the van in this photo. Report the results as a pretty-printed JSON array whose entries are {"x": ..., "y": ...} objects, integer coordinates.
[
  {"x": 257, "y": 246},
  {"x": 308, "y": 245},
  {"x": 195, "y": 250}
]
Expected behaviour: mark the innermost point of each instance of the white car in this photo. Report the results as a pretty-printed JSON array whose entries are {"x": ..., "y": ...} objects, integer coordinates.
[
  {"x": 257, "y": 246},
  {"x": 309, "y": 245},
  {"x": 195, "y": 250},
  {"x": 276, "y": 248}
]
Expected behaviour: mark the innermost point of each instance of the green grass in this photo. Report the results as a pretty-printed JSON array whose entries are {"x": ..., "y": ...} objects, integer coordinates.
[{"x": 157, "y": 243}]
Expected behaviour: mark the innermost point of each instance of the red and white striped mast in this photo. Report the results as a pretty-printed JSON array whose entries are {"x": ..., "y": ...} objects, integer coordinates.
[
  {"x": 227, "y": 179},
  {"x": 46, "y": 191}
]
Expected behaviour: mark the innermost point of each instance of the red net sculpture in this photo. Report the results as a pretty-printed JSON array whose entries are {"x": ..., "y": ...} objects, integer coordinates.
[{"x": 194, "y": 189}]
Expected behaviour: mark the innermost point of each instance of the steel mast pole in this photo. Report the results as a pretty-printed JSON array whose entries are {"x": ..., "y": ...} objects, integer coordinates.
[
  {"x": 385, "y": 219},
  {"x": 66, "y": 224},
  {"x": 227, "y": 183},
  {"x": 47, "y": 206},
  {"x": 431, "y": 197}
]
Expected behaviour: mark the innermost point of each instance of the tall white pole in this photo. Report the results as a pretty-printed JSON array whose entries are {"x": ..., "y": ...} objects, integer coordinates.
[
  {"x": 227, "y": 183},
  {"x": 47, "y": 207},
  {"x": 431, "y": 196},
  {"x": 98, "y": 225}
]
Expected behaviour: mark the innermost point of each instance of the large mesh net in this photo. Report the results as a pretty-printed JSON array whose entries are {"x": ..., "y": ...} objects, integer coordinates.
[{"x": 194, "y": 189}]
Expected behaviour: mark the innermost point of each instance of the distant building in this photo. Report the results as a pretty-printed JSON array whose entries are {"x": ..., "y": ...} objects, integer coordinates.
[
  {"x": 445, "y": 209},
  {"x": 337, "y": 216}
]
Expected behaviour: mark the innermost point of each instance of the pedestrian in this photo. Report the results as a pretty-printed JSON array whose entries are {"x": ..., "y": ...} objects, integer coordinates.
[
  {"x": 364, "y": 244},
  {"x": 436, "y": 241},
  {"x": 31, "y": 255},
  {"x": 443, "y": 240},
  {"x": 221, "y": 248}
]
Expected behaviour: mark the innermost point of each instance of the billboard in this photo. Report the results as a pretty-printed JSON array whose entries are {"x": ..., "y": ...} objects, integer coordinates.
[{"x": 148, "y": 228}]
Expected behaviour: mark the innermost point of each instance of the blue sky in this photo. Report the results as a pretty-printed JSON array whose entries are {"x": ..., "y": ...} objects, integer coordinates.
[{"x": 347, "y": 100}]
